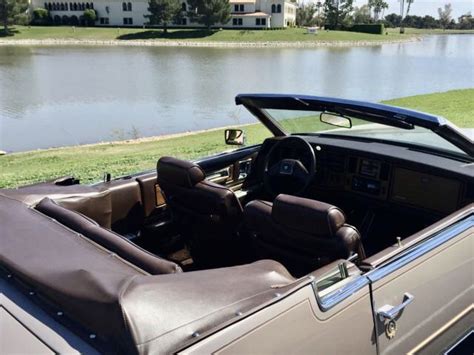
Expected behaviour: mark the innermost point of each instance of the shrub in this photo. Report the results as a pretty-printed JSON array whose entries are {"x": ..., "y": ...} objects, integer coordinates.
[
  {"x": 41, "y": 16},
  {"x": 57, "y": 20},
  {"x": 74, "y": 21},
  {"x": 22, "y": 19},
  {"x": 89, "y": 17},
  {"x": 65, "y": 20}
]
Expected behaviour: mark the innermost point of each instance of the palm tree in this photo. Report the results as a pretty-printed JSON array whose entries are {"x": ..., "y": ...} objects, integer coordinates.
[
  {"x": 319, "y": 5},
  {"x": 378, "y": 6},
  {"x": 402, "y": 8}
]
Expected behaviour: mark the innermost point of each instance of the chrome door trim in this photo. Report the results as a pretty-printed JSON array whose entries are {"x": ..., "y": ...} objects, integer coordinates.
[
  {"x": 424, "y": 247},
  {"x": 337, "y": 296}
]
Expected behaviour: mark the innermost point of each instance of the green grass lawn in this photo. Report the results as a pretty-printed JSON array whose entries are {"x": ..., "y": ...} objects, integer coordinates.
[
  {"x": 196, "y": 35},
  {"x": 428, "y": 31},
  {"x": 90, "y": 162},
  {"x": 456, "y": 105},
  {"x": 284, "y": 35},
  {"x": 95, "y": 33}
]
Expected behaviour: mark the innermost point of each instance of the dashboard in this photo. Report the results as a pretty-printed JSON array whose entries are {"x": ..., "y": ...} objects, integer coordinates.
[
  {"x": 391, "y": 181},
  {"x": 390, "y": 174}
]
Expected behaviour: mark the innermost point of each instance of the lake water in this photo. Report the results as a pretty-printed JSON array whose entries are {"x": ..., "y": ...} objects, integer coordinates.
[{"x": 58, "y": 96}]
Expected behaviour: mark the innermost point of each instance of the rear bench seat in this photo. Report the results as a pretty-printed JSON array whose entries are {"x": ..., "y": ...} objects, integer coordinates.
[{"x": 107, "y": 238}]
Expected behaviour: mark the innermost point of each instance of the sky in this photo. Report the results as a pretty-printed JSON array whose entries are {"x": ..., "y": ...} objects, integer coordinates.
[{"x": 428, "y": 7}]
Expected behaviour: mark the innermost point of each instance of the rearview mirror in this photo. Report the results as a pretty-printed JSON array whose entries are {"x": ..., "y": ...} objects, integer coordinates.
[
  {"x": 335, "y": 120},
  {"x": 234, "y": 137}
]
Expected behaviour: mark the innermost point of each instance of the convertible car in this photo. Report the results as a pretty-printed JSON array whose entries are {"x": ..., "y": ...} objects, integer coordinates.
[{"x": 349, "y": 230}]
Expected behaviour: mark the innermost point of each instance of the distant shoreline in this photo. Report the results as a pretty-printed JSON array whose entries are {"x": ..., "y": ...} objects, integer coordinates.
[{"x": 203, "y": 44}]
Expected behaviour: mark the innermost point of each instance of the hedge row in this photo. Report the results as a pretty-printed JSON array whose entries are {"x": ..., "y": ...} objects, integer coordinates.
[{"x": 375, "y": 28}]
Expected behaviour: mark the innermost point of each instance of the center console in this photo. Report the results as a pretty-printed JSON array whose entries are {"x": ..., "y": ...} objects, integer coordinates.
[{"x": 368, "y": 177}]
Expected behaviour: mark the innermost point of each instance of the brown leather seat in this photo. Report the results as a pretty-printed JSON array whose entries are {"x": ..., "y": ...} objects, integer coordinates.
[
  {"x": 301, "y": 233},
  {"x": 107, "y": 238},
  {"x": 207, "y": 213}
]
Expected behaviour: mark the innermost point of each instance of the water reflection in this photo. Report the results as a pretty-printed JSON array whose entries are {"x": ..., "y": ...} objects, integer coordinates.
[{"x": 69, "y": 95}]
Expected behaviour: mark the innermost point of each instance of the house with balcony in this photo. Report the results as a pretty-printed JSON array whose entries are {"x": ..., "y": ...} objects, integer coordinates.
[{"x": 131, "y": 13}]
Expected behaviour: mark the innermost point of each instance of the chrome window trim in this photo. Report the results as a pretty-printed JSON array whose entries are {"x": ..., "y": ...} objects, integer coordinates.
[
  {"x": 423, "y": 248},
  {"x": 330, "y": 300},
  {"x": 460, "y": 341}
]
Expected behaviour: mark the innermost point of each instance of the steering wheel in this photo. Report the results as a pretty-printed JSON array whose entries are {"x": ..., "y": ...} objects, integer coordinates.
[{"x": 289, "y": 167}]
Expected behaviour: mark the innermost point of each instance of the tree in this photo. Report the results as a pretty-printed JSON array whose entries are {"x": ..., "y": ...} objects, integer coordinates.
[
  {"x": 10, "y": 8},
  {"x": 445, "y": 15},
  {"x": 209, "y": 12},
  {"x": 361, "y": 14},
  {"x": 319, "y": 17},
  {"x": 306, "y": 14},
  {"x": 378, "y": 6},
  {"x": 409, "y": 2},
  {"x": 163, "y": 12},
  {"x": 402, "y": 9},
  {"x": 393, "y": 20},
  {"x": 429, "y": 22},
  {"x": 337, "y": 12},
  {"x": 90, "y": 16},
  {"x": 466, "y": 22}
]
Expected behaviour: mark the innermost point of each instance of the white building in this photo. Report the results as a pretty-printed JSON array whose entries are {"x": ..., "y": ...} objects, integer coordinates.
[{"x": 245, "y": 13}]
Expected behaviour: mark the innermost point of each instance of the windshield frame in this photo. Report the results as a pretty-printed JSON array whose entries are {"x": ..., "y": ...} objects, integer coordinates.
[{"x": 371, "y": 112}]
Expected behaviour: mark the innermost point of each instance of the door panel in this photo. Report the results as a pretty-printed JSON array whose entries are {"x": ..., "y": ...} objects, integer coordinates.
[
  {"x": 151, "y": 197},
  {"x": 296, "y": 325},
  {"x": 231, "y": 171},
  {"x": 439, "y": 279}
]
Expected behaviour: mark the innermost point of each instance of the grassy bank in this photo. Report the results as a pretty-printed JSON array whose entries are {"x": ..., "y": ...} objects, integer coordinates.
[
  {"x": 90, "y": 162},
  {"x": 429, "y": 31},
  {"x": 39, "y": 33},
  {"x": 128, "y": 34},
  {"x": 456, "y": 105}
]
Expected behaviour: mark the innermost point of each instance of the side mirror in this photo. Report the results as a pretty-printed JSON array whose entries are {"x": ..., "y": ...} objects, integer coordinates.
[
  {"x": 335, "y": 120},
  {"x": 234, "y": 137}
]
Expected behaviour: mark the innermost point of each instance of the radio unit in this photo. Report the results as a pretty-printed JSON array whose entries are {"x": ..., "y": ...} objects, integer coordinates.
[{"x": 365, "y": 185}]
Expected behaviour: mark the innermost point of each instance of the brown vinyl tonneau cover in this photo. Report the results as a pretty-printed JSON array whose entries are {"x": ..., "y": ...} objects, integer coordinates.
[{"x": 117, "y": 301}]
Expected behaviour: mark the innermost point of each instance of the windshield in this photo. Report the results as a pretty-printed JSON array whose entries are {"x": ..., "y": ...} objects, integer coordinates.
[{"x": 299, "y": 122}]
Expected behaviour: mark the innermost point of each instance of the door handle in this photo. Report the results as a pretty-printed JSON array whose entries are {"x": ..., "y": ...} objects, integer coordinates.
[{"x": 390, "y": 312}]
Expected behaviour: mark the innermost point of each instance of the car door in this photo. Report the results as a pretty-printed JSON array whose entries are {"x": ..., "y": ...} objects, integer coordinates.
[
  {"x": 326, "y": 312},
  {"x": 231, "y": 170},
  {"x": 423, "y": 296}
]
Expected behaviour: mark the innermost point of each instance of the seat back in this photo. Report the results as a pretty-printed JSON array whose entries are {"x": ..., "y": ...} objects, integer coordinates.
[
  {"x": 300, "y": 231},
  {"x": 207, "y": 215},
  {"x": 107, "y": 238},
  {"x": 195, "y": 200}
]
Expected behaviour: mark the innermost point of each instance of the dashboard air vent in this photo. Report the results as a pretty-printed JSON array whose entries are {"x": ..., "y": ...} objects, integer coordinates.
[{"x": 333, "y": 162}]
